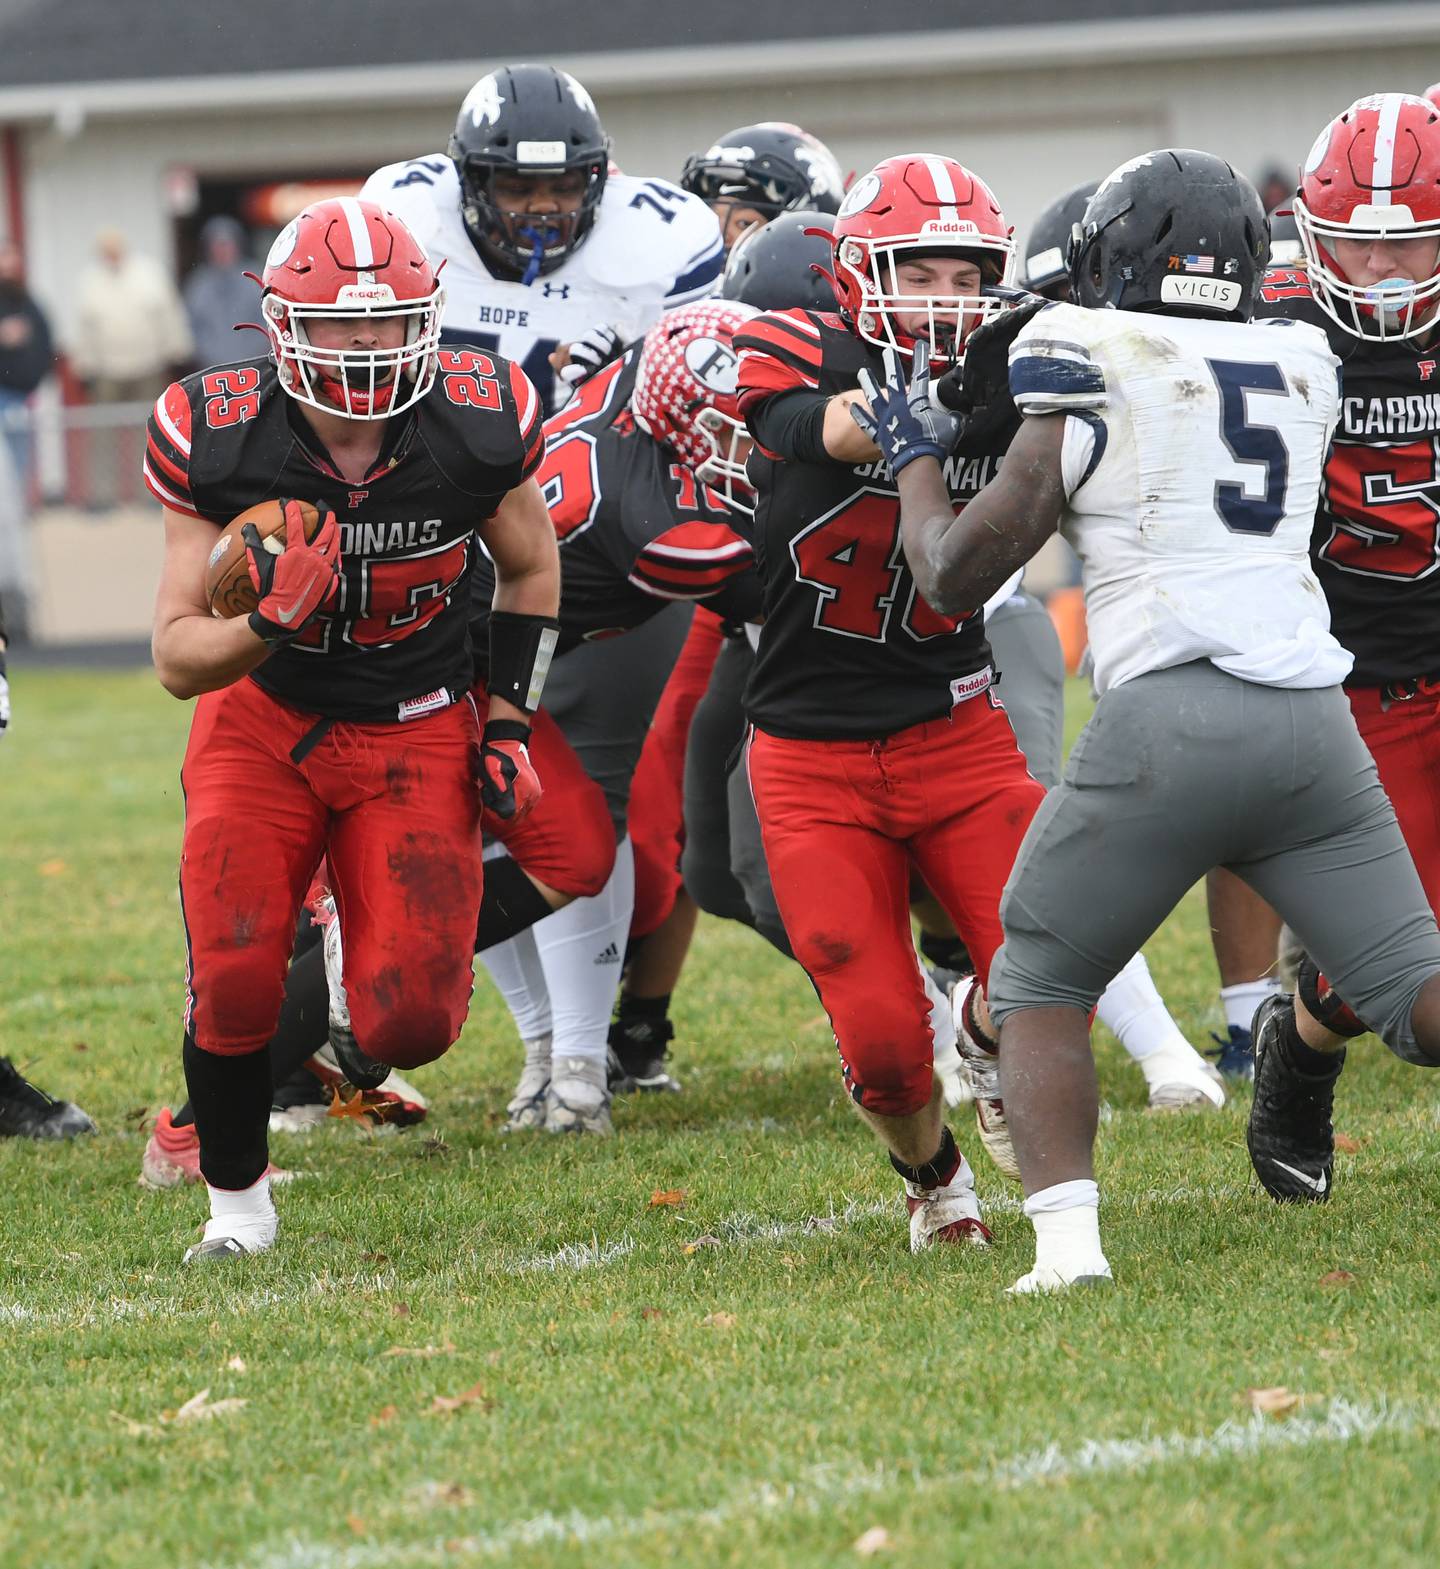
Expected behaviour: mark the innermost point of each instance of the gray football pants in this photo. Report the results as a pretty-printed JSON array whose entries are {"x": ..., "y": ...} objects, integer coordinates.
[
  {"x": 604, "y": 694},
  {"x": 1027, "y": 653},
  {"x": 1184, "y": 769}
]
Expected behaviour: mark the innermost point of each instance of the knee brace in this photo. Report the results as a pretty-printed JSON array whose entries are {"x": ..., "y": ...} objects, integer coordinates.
[{"x": 1324, "y": 1004}]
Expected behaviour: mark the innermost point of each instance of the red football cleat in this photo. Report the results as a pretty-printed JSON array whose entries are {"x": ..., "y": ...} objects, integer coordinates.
[{"x": 172, "y": 1156}]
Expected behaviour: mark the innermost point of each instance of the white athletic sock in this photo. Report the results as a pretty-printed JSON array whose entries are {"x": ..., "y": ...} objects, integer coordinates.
[
  {"x": 1135, "y": 1012},
  {"x": 514, "y": 966},
  {"x": 1066, "y": 1219},
  {"x": 1240, "y": 1002},
  {"x": 582, "y": 951},
  {"x": 246, "y": 1214}
]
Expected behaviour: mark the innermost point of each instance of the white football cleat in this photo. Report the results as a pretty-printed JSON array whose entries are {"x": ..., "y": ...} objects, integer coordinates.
[
  {"x": 950, "y": 1070},
  {"x": 578, "y": 1099},
  {"x": 1181, "y": 1079},
  {"x": 1050, "y": 1279},
  {"x": 946, "y": 1214},
  {"x": 527, "y": 1105},
  {"x": 235, "y": 1236},
  {"x": 396, "y": 1104},
  {"x": 980, "y": 1069}
]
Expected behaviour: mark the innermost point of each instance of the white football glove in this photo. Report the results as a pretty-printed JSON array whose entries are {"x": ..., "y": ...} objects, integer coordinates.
[{"x": 591, "y": 353}]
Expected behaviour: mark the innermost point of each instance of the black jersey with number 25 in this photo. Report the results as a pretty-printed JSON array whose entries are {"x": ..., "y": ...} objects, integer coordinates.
[{"x": 395, "y": 644}]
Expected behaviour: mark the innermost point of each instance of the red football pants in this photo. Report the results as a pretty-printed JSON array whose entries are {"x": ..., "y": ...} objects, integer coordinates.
[
  {"x": 395, "y": 808},
  {"x": 656, "y": 817},
  {"x": 1404, "y": 740},
  {"x": 844, "y": 823},
  {"x": 567, "y": 841}
]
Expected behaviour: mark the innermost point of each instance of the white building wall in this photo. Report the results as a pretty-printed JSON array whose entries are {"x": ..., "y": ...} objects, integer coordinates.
[{"x": 1031, "y": 132}]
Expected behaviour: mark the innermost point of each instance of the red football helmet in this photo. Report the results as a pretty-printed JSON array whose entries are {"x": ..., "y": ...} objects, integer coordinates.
[
  {"x": 918, "y": 202},
  {"x": 345, "y": 258},
  {"x": 1432, "y": 94},
  {"x": 685, "y": 394},
  {"x": 1373, "y": 173}
]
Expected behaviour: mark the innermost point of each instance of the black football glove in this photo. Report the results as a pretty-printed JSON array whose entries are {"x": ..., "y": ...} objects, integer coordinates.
[
  {"x": 901, "y": 419},
  {"x": 978, "y": 388}
]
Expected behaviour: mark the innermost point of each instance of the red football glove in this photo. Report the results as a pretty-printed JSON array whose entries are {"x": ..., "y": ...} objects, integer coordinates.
[
  {"x": 509, "y": 785},
  {"x": 299, "y": 582}
]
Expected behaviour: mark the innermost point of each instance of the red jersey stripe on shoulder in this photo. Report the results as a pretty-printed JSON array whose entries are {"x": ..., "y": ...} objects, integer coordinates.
[
  {"x": 165, "y": 497},
  {"x": 527, "y": 400},
  {"x": 780, "y": 334},
  {"x": 166, "y": 466},
  {"x": 172, "y": 414}
]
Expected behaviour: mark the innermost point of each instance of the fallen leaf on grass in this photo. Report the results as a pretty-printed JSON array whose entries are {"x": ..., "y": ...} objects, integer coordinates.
[
  {"x": 720, "y": 1320},
  {"x": 421, "y": 1351},
  {"x": 376, "y": 1258},
  {"x": 434, "y": 1147},
  {"x": 706, "y": 1241},
  {"x": 1276, "y": 1401},
  {"x": 474, "y": 1396},
  {"x": 1346, "y": 1145},
  {"x": 401, "y": 1310},
  {"x": 875, "y": 1540},
  {"x": 136, "y": 1429},
  {"x": 52, "y": 868},
  {"x": 200, "y": 1408},
  {"x": 429, "y": 1494},
  {"x": 652, "y": 1313},
  {"x": 1338, "y": 1277},
  {"x": 667, "y": 1198},
  {"x": 383, "y": 1415},
  {"x": 358, "y": 1524},
  {"x": 80, "y": 1046},
  {"x": 236, "y": 1365}
]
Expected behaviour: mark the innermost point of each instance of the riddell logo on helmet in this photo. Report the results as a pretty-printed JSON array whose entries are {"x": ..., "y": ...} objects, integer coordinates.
[
  {"x": 936, "y": 228},
  {"x": 365, "y": 294}
]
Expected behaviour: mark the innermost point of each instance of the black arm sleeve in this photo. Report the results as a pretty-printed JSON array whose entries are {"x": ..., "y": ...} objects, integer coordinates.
[
  {"x": 741, "y": 599},
  {"x": 791, "y": 425}
]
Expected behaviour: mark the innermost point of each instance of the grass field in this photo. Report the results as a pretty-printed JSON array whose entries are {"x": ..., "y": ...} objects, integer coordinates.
[{"x": 618, "y": 1395}]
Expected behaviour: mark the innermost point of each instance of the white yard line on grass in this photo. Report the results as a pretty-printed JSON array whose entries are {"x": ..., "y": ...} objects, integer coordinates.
[{"x": 820, "y": 1488}]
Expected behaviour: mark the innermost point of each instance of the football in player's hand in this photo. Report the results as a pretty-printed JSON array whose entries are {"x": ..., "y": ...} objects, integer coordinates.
[{"x": 227, "y": 574}]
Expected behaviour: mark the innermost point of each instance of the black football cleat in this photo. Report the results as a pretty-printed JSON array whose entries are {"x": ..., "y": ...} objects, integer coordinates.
[
  {"x": 1290, "y": 1135},
  {"x": 638, "y": 1049},
  {"x": 29, "y": 1113}
]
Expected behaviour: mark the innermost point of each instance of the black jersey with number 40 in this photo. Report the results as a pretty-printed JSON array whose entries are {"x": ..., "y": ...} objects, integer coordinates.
[
  {"x": 849, "y": 649},
  {"x": 1376, "y": 545},
  {"x": 395, "y": 644}
]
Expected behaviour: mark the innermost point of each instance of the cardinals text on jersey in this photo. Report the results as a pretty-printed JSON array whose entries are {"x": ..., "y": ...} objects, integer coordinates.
[
  {"x": 653, "y": 247},
  {"x": 1192, "y": 460},
  {"x": 227, "y": 437},
  {"x": 1377, "y": 534}
]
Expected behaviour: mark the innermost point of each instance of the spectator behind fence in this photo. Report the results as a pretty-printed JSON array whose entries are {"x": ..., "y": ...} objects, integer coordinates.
[
  {"x": 27, "y": 356},
  {"x": 218, "y": 295},
  {"x": 131, "y": 336}
]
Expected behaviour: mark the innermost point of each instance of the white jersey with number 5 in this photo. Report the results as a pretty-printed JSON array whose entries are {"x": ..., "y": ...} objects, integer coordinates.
[
  {"x": 1192, "y": 460},
  {"x": 652, "y": 248}
]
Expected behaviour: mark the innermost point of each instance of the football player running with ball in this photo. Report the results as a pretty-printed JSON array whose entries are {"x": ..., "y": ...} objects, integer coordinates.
[
  {"x": 335, "y": 719},
  {"x": 879, "y": 746},
  {"x": 1181, "y": 450}
]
